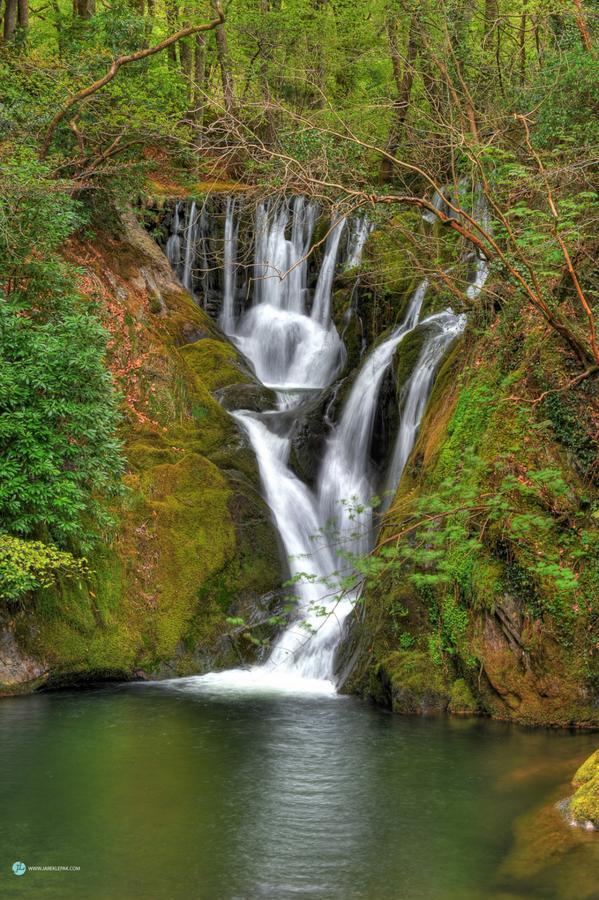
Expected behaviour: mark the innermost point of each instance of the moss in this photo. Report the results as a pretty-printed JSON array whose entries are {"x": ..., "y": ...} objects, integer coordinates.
[
  {"x": 486, "y": 581},
  {"x": 588, "y": 771},
  {"x": 566, "y": 420},
  {"x": 416, "y": 685},
  {"x": 584, "y": 805},
  {"x": 190, "y": 524},
  {"x": 407, "y": 355},
  {"x": 389, "y": 255},
  {"x": 462, "y": 702},
  {"x": 214, "y": 363}
]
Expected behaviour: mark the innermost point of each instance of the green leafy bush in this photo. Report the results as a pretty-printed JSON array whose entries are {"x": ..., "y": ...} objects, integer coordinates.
[
  {"x": 59, "y": 456},
  {"x": 30, "y": 565}
]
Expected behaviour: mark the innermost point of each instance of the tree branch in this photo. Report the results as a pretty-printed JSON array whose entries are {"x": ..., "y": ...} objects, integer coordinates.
[{"x": 123, "y": 61}]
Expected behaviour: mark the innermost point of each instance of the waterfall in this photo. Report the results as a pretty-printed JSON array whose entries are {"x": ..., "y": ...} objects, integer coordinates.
[
  {"x": 306, "y": 648},
  {"x": 227, "y": 316},
  {"x": 359, "y": 234},
  {"x": 443, "y": 329},
  {"x": 290, "y": 350},
  {"x": 321, "y": 306},
  {"x": 173, "y": 244},
  {"x": 287, "y": 334},
  {"x": 346, "y": 482},
  {"x": 190, "y": 243}
]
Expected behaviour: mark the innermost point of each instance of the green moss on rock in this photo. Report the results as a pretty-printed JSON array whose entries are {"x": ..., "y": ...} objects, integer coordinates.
[
  {"x": 417, "y": 686},
  {"x": 462, "y": 702},
  {"x": 584, "y": 805},
  {"x": 191, "y": 517}
]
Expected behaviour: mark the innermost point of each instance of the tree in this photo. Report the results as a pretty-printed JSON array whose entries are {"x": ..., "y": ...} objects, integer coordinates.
[
  {"x": 116, "y": 65},
  {"x": 58, "y": 408},
  {"x": 11, "y": 12},
  {"x": 224, "y": 61},
  {"x": 403, "y": 74},
  {"x": 84, "y": 9}
]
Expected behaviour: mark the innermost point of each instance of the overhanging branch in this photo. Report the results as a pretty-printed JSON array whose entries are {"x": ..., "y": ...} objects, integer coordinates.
[{"x": 123, "y": 61}]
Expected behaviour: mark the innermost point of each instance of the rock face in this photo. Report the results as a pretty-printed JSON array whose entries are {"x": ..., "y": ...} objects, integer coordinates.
[
  {"x": 17, "y": 670},
  {"x": 505, "y": 629},
  {"x": 192, "y": 542}
]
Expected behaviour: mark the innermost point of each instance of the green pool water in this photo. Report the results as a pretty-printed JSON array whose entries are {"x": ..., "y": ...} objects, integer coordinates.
[{"x": 185, "y": 791}]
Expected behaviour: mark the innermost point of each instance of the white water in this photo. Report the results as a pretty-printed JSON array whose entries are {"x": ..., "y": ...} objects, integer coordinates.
[
  {"x": 227, "y": 316},
  {"x": 290, "y": 348},
  {"x": 357, "y": 241},
  {"x": 346, "y": 480},
  {"x": 444, "y": 328},
  {"x": 190, "y": 241},
  {"x": 291, "y": 341},
  {"x": 173, "y": 244}
]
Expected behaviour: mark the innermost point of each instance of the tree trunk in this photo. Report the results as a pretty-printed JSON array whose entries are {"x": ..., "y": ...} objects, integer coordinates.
[
  {"x": 491, "y": 21},
  {"x": 186, "y": 54},
  {"x": 23, "y": 15},
  {"x": 265, "y": 55},
  {"x": 582, "y": 26},
  {"x": 222, "y": 51},
  {"x": 404, "y": 78},
  {"x": 10, "y": 19},
  {"x": 170, "y": 11},
  {"x": 316, "y": 52},
  {"x": 199, "y": 76},
  {"x": 84, "y": 9},
  {"x": 522, "y": 43}
]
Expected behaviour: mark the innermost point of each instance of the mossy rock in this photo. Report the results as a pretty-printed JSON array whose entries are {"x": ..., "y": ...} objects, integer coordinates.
[
  {"x": 417, "y": 685},
  {"x": 406, "y": 357},
  {"x": 462, "y": 702},
  {"x": 215, "y": 363},
  {"x": 587, "y": 771},
  {"x": 584, "y": 805}
]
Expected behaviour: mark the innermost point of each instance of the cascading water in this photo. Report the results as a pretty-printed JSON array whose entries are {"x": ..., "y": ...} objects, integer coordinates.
[
  {"x": 190, "y": 242},
  {"x": 291, "y": 341},
  {"x": 173, "y": 244},
  {"x": 357, "y": 241},
  {"x": 346, "y": 480},
  {"x": 227, "y": 316},
  {"x": 291, "y": 349},
  {"x": 443, "y": 327}
]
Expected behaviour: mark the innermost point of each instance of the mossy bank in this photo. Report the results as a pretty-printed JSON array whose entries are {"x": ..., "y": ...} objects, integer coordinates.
[
  {"x": 191, "y": 545},
  {"x": 481, "y": 598}
]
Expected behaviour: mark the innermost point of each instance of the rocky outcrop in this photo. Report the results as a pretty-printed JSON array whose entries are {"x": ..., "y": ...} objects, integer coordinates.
[
  {"x": 191, "y": 544},
  {"x": 505, "y": 627}
]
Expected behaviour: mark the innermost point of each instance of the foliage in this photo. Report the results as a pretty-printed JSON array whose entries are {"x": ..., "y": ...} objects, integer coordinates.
[
  {"x": 27, "y": 566},
  {"x": 59, "y": 456}
]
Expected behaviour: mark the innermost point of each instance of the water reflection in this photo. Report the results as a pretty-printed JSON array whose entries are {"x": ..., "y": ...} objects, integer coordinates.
[{"x": 158, "y": 792}]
